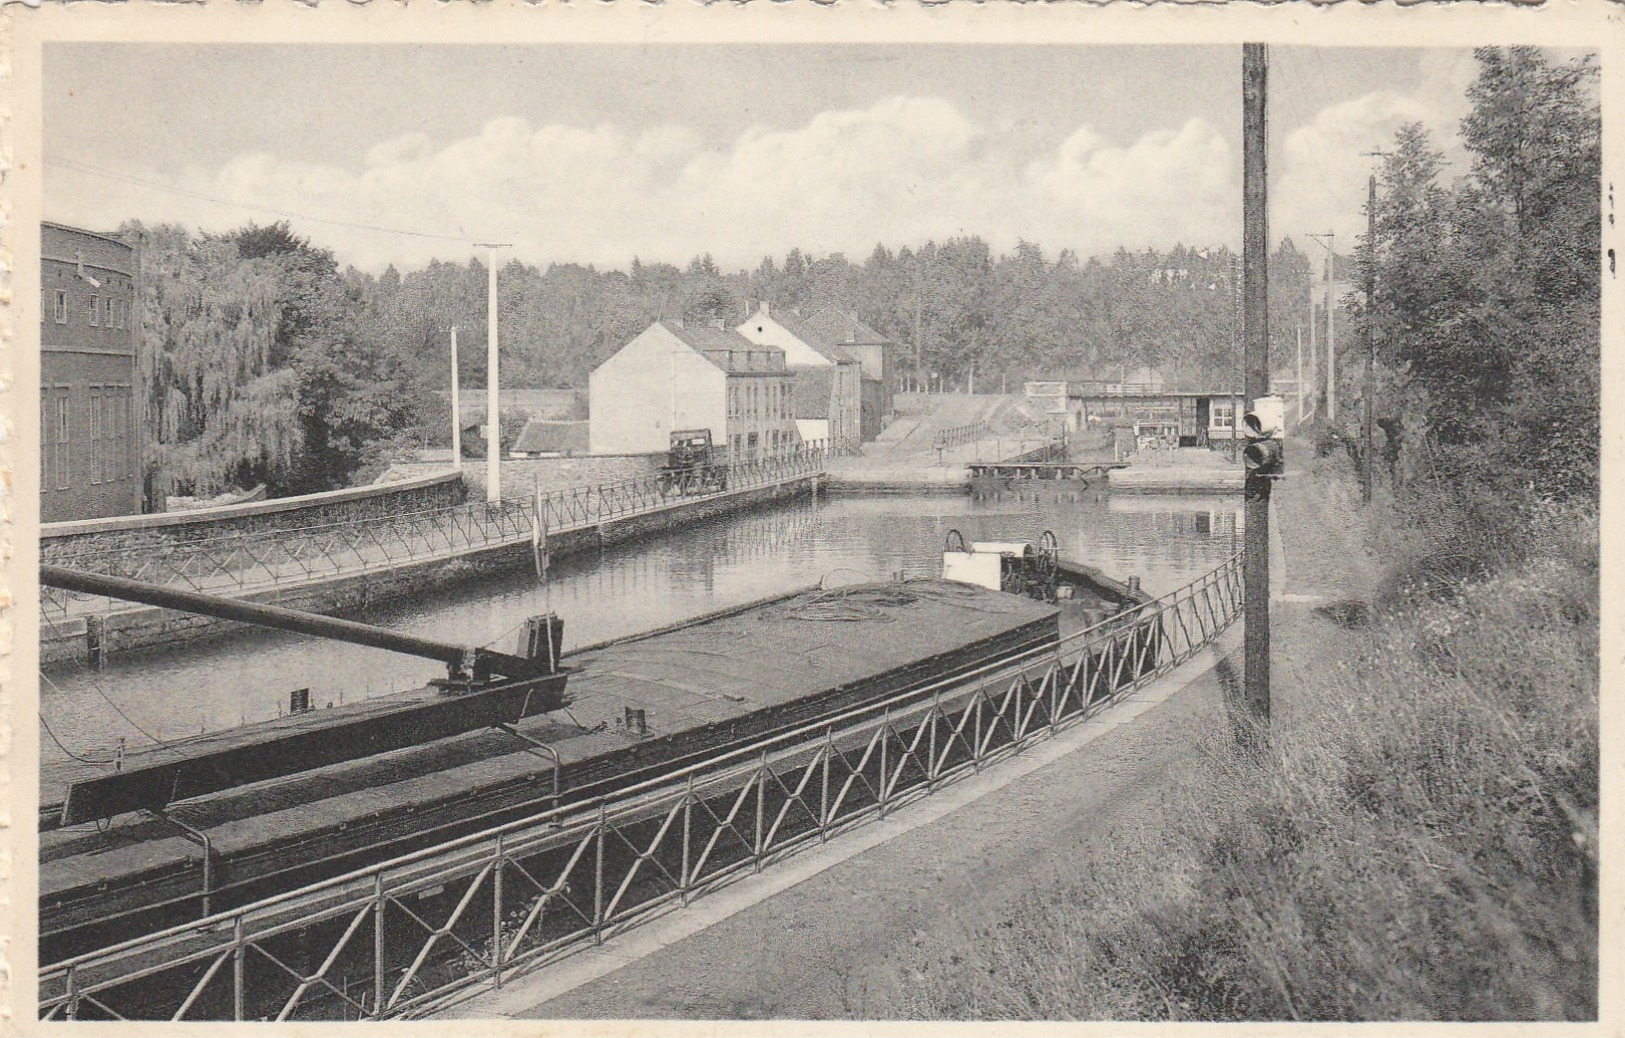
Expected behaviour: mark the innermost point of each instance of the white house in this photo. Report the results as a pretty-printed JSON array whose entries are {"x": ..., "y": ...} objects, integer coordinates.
[
  {"x": 671, "y": 377},
  {"x": 820, "y": 366}
]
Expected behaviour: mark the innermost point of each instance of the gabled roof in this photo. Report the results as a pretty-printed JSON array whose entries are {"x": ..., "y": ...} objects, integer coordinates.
[
  {"x": 544, "y": 437},
  {"x": 810, "y": 393},
  {"x": 792, "y": 322},
  {"x": 834, "y": 325},
  {"x": 724, "y": 347}
]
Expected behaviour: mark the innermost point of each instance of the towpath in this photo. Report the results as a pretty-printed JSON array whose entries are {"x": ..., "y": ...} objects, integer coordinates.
[{"x": 831, "y": 939}]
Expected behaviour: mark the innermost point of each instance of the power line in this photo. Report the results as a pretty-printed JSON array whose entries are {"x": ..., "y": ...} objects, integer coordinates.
[{"x": 83, "y": 167}]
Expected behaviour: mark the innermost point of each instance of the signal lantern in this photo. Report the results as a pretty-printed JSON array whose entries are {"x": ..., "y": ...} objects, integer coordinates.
[{"x": 1265, "y": 427}]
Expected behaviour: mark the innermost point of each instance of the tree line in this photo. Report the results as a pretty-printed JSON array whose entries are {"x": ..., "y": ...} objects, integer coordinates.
[{"x": 264, "y": 361}]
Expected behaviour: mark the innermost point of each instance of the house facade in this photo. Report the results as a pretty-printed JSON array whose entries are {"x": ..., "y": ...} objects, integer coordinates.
[
  {"x": 671, "y": 377},
  {"x": 876, "y": 356},
  {"x": 808, "y": 356},
  {"x": 90, "y": 427}
]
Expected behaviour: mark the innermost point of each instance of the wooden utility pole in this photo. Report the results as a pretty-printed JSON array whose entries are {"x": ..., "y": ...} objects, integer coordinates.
[
  {"x": 456, "y": 409},
  {"x": 1255, "y": 332},
  {"x": 1329, "y": 240},
  {"x": 1370, "y": 330}
]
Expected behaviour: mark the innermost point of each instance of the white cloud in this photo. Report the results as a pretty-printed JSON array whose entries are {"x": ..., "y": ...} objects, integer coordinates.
[
  {"x": 1322, "y": 183},
  {"x": 900, "y": 170}
]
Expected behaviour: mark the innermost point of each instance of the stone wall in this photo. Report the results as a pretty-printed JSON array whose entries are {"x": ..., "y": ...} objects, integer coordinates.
[{"x": 61, "y": 542}]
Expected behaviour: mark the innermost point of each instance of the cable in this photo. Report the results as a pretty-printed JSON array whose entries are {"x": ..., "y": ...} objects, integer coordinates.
[
  {"x": 97, "y": 171},
  {"x": 96, "y": 687},
  {"x": 82, "y": 760}
]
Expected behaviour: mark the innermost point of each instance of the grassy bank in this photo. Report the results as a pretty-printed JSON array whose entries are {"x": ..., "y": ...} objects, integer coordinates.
[{"x": 1418, "y": 842}]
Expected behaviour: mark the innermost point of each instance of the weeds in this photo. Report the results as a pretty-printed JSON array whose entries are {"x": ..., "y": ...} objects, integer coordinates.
[{"x": 1420, "y": 842}]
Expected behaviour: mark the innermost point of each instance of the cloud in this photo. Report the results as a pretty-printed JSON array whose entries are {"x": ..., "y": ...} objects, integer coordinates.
[
  {"x": 901, "y": 170},
  {"x": 1322, "y": 183}
]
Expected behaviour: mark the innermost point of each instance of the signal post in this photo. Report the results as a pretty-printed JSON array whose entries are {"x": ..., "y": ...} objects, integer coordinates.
[{"x": 1262, "y": 422}]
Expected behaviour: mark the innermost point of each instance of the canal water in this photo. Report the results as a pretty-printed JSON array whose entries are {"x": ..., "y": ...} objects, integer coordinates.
[{"x": 1167, "y": 541}]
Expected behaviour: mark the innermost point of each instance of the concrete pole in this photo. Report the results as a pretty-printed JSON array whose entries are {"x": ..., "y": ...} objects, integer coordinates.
[
  {"x": 456, "y": 409},
  {"x": 1256, "y": 341},
  {"x": 1331, "y": 329},
  {"x": 493, "y": 380},
  {"x": 1300, "y": 374}
]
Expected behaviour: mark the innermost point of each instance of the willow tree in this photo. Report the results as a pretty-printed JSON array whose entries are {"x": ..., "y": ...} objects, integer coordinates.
[{"x": 218, "y": 411}]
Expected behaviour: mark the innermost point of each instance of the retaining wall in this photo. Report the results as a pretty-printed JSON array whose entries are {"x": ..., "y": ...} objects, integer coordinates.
[{"x": 140, "y": 533}]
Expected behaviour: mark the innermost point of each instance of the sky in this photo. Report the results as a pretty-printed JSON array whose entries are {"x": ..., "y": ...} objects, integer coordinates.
[{"x": 593, "y": 153}]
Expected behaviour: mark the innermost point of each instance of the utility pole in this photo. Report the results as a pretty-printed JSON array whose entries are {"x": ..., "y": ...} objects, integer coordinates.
[
  {"x": 493, "y": 423},
  {"x": 1329, "y": 239},
  {"x": 1300, "y": 374},
  {"x": 456, "y": 409},
  {"x": 1370, "y": 326},
  {"x": 1314, "y": 368},
  {"x": 1255, "y": 331},
  {"x": 1370, "y": 329}
]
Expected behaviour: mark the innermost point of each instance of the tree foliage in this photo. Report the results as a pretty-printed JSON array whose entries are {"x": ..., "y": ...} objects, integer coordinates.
[{"x": 1487, "y": 291}]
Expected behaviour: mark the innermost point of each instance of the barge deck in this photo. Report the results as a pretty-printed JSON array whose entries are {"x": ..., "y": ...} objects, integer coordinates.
[{"x": 641, "y": 706}]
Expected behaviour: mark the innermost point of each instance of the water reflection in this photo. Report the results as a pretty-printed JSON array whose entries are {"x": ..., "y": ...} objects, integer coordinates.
[{"x": 1166, "y": 541}]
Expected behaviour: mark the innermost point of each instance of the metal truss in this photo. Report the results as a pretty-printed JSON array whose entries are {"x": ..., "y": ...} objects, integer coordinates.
[{"x": 408, "y": 936}]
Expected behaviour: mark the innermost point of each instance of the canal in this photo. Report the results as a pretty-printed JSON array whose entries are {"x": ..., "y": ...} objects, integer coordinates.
[{"x": 1167, "y": 541}]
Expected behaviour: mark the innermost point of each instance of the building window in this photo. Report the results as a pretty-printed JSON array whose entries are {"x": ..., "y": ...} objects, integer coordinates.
[
  {"x": 1223, "y": 415},
  {"x": 60, "y": 430},
  {"x": 107, "y": 313},
  {"x": 93, "y": 309},
  {"x": 61, "y": 307},
  {"x": 97, "y": 457}
]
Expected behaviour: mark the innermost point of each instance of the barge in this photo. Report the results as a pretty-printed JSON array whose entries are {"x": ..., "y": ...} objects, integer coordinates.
[{"x": 242, "y": 820}]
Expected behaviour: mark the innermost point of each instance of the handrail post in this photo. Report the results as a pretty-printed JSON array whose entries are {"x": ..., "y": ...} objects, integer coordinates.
[
  {"x": 238, "y": 952},
  {"x": 598, "y": 879},
  {"x": 377, "y": 944},
  {"x": 496, "y": 915},
  {"x": 761, "y": 807},
  {"x": 885, "y": 770},
  {"x": 688, "y": 820},
  {"x": 823, "y": 802}
]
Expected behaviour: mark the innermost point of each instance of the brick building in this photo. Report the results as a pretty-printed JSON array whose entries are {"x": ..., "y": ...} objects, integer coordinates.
[{"x": 90, "y": 433}]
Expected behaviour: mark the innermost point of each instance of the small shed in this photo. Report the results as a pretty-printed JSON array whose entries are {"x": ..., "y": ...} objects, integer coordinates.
[{"x": 542, "y": 438}]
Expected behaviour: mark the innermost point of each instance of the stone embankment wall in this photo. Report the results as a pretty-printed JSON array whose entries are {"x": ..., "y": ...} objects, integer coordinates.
[
  {"x": 60, "y": 542},
  {"x": 354, "y": 594}
]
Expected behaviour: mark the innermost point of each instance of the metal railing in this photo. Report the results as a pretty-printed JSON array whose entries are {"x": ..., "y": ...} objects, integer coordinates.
[
  {"x": 959, "y": 435},
  {"x": 236, "y": 563},
  {"x": 422, "y": 931}
]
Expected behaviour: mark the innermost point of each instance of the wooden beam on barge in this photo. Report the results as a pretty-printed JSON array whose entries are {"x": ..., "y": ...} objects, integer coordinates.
[{"x": 469, "y": 699}]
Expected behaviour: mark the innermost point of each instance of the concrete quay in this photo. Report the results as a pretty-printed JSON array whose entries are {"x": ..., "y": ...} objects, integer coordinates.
[{"x": 1184, "y": 471}]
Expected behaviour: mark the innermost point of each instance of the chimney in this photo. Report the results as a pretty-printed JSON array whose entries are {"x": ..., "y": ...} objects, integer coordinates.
[
  {"x": 765, "y": 310},
  {"x": 719, "y": 324}
]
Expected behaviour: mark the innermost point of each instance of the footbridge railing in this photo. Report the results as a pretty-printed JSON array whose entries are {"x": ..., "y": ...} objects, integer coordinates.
[
  {"x": 242, "y": 562},
  {"x": 426, "y": 930}
]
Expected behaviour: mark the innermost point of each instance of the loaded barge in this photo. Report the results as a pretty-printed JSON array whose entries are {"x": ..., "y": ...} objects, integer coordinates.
[{"x": 174, "y": 832}]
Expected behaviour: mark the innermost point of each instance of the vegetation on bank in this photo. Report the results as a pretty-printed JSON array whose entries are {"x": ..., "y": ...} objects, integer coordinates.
[
  {"x": 1419, "y": 838},
  {"x": 1419, "y": 842}
]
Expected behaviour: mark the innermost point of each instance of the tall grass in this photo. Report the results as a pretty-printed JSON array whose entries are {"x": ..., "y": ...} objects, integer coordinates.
[{"x": 1419, "y": 840}]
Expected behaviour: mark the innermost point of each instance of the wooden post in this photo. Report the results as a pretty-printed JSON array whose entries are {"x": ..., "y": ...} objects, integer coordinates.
[
  {"x": 1370, "y": 331},
  {"x": 1255, "y": 330}
]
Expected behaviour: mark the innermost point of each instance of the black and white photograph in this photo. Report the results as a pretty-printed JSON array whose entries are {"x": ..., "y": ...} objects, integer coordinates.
[{"x": 664, "y": 516}]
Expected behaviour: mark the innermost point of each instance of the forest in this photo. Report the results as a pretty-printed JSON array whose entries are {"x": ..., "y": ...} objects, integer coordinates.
[{"x": 264, "y": 361}]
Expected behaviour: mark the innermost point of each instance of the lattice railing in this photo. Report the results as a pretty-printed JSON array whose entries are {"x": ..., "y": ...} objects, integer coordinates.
[
  {"x": 236, "y": 563},
  {"x": 410, "y": 935}
]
